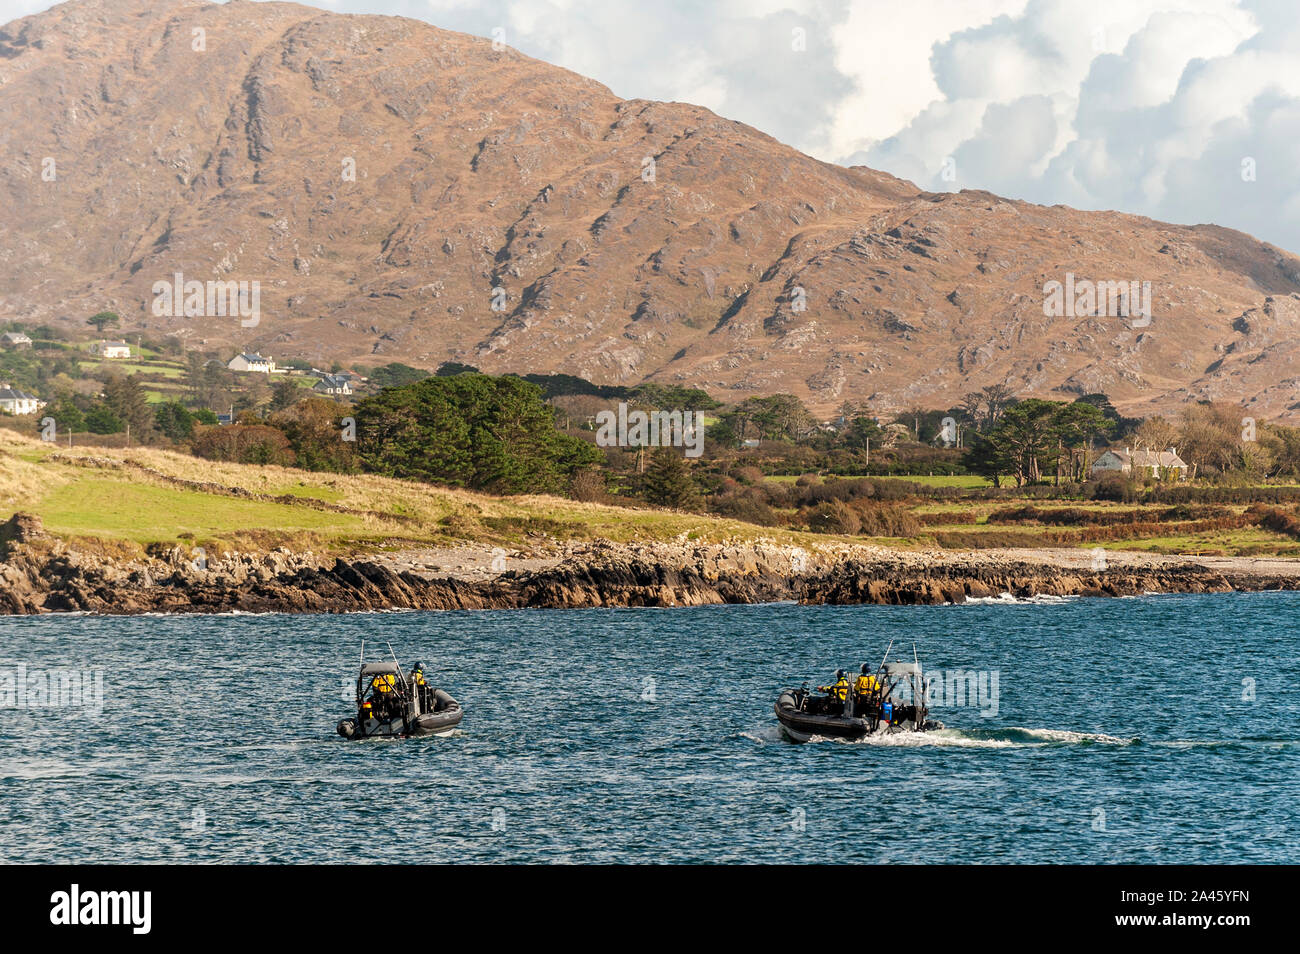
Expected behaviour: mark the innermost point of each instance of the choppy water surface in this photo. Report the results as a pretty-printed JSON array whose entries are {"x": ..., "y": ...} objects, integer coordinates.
[{"x": 1125, "y": 731}]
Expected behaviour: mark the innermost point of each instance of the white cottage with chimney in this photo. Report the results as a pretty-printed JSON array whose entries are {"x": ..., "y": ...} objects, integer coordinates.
[
  {"x": 1145, "y": 463},
  {"x": 252, "y": 362}
]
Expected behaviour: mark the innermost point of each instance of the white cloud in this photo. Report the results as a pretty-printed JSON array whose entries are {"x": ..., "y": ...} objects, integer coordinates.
[
  {"x": 884, "y": 47},
  {"x": 1141, "y": 105}
]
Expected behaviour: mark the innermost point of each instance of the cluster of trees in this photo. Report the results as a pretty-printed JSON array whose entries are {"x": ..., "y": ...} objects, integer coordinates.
[
  {"x": 1216, "y": 440},
  {"x": 1033, "y": 437},
  {"x": 535, "y": 433},
  {"x": 309, "y": 433},
  {"x": 780, "y": 417},
  {"x": 122, "y": 407},
  {"x": 469, "y": 430}
]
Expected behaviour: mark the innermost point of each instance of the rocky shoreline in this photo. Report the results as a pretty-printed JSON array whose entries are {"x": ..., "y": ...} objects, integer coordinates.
[{"x": 41, "y": 574}]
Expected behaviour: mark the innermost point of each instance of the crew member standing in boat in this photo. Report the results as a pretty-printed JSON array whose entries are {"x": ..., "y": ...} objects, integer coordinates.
[
  {"x": 867, "y": 684},
  {"x": 423, "y": 690}
]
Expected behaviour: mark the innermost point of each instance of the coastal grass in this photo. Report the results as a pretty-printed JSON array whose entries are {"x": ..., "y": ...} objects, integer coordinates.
[
  {"x": 1248, "y": 541},
  {"x": 102, "y": 506},
  {"x": 143, "y": 496},
  {"x": 150, "y": 496}
]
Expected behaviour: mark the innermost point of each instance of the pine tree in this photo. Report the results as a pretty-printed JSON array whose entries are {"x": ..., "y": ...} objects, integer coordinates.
[
  {"x": 102, "y": 319},
  {"x": 668, "y": 482}
]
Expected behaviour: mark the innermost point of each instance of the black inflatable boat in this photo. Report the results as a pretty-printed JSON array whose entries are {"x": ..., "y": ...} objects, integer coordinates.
[
  {"x": 392, "y": 704},
  {"x": 898, "y": 705}
]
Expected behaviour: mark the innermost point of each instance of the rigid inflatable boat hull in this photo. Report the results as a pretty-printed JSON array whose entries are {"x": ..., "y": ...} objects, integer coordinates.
[
  {"x": 437, "y": 723},
  {"x": 441, "y": 722},
  {"x": 802, "y": 726}
]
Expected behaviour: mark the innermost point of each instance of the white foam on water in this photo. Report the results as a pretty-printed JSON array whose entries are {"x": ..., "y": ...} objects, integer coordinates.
[
  {"x": 30, "y": 770},
  {"x": 1010, "y": 738},
  {"x": 766, "y": 734},
  {"x": 1008, "y": 599}
]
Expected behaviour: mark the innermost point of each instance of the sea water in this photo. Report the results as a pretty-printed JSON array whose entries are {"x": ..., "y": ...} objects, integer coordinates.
[{"x": 1153, "y": 729}]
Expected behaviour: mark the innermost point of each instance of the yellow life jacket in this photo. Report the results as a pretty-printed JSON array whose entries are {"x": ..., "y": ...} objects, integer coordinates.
[
  {"x": 384, "y": 683},
  {"x": 840, "y": 690},
  {"x": 867, "y": 684}
]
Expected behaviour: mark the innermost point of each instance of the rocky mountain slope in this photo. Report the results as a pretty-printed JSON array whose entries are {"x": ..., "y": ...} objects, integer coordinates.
[{"x": 406, "y": 193}]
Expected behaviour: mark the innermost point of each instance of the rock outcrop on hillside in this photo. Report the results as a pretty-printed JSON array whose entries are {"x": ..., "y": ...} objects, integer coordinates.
[{"x": 407, "y": 193}]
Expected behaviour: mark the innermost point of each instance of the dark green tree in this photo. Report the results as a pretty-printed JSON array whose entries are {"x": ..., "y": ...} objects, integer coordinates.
[
  {"x": 395, "y": 374},
  {"x": 778, "y": 417},
  {"x": 470, "y": 430},
  {"x": 449, "y": 369},
  {"x": 174, "y": 420},
  {"x": 1077, "y": 426},
  {"x": 285, "y": 394},
  {"x": 667, "y": 481},
  {"x": 124, "y": 397},
  {"x": 100, "y": 419},
  {"x": 66, "y": 414},
  {"x": 1035, "y": 435},
  {"x": 102, "y": 320}
]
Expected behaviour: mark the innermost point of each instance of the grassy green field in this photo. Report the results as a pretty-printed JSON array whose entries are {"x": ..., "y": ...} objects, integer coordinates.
[
  {"x": 143, "y": 513},
  {"x": 76, "y": 495},
  {"x": 141, "y": 496},
  {"x": 164, "y": 369},
  {"x": 964, "y": 481}
]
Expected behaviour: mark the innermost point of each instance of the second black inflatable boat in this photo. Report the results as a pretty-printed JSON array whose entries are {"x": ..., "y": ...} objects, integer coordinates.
[
  {"x": 392, "y": 704},
  {"x": 898, "y": 706}
]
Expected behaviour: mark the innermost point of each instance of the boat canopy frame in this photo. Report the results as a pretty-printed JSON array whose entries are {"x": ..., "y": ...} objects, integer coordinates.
[{"x": 370, "y": 670}]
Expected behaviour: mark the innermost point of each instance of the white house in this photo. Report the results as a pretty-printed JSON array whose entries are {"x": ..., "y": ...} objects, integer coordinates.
[
  {"x": 1156, "y": 464},
  {"x": 15, "y": 401},
  {"x": 15, "y": 339},
  {"x": 351, "y": 377},
  {"x": 252, "y": 362},
  {"x": 111, "y": 349},
  {"x": 333, "y": 384}
]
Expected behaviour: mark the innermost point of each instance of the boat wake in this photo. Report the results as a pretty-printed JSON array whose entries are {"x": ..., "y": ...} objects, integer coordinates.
[{"x": 1012, "y": 737}]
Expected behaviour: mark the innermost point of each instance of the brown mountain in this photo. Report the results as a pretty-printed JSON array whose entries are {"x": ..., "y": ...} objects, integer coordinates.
[{"x": 629, "y": 239}]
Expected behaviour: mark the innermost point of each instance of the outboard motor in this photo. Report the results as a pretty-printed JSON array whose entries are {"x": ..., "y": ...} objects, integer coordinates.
[{"x": 347, "y": 728}]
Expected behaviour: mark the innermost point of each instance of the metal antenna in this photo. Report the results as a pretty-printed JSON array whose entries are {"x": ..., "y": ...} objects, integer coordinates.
[
  {"x": 887, "y": 649},
  {"x": 394, "y": 655}
]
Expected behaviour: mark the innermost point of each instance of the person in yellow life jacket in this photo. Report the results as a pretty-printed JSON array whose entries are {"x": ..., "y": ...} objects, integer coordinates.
[
  {"x": 867, "y": 684},
  {"x": 841, "y": 688},
  {"x": 422, "y": 688},
  {"x": 382, "y": 696}
]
